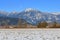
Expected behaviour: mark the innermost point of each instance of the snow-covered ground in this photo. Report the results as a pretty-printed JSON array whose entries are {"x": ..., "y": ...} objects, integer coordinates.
[{"x": 30, "y": 34}]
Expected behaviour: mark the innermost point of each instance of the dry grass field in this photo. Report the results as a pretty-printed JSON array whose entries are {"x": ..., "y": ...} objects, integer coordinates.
[{"x": 32, "y": 26}]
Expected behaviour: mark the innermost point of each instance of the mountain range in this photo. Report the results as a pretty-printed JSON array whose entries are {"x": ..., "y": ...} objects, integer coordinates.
[{"x": 31, "y": 16}]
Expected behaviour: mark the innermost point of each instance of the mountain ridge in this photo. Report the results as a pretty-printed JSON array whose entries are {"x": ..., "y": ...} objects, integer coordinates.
[{"x": 34, "y": 16}]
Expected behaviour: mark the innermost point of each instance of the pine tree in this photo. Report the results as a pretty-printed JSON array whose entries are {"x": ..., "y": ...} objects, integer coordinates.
[
  {"x": 22, "y": 23},
  {"x": 19, "y": 23},
  {"x": 54, "y": 24},
  {"x": 5, "y": 23},
  {"x": 42, "y": 24}
]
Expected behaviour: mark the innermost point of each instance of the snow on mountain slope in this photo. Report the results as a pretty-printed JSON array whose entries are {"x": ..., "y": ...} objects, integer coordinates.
[
  {"x": 56, "y": 13},
  {"x": 34, "y": 16},
  {"x": 3, "y": 13}
]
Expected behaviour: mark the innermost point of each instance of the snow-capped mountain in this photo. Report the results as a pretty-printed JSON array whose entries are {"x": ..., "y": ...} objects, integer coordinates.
[{"x": 34, "y": 16}]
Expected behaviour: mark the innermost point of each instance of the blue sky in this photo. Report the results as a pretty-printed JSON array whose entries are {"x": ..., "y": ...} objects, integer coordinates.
[{"x": 42, "y": 5}]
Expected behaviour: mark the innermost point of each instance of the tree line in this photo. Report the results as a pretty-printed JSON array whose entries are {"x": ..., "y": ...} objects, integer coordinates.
[{"x": 42, "y": 24}]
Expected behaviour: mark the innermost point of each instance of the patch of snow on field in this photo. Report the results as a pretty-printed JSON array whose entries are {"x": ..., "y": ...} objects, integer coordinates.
[{"x": 29, "y": 34}]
